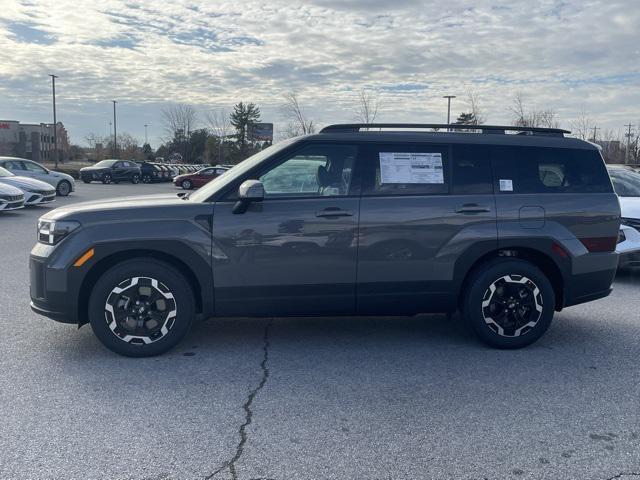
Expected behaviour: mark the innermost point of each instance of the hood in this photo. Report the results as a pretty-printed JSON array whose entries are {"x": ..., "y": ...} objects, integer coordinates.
[
  {"x": 121, "y": 204},
  {"x": 26, "y": 183},
  {"x": 92, "y": 169},
  {"x": 630, "y": 207},
  {"x": 6, "y": 189}
]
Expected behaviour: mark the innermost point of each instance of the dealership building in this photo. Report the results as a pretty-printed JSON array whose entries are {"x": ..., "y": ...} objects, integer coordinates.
[{"x": 32, "y": 140}]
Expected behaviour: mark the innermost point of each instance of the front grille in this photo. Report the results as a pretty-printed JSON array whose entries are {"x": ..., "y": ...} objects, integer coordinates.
[
  {"x": 11, "y": 198},
  {"x": 632, "y": 222}
]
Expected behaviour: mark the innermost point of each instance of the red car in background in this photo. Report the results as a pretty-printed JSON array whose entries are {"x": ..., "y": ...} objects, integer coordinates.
[{"x": 199, "y": 178}]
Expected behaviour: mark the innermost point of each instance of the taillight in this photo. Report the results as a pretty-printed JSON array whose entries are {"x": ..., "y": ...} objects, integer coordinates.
[{"x": 600, "y": 244}]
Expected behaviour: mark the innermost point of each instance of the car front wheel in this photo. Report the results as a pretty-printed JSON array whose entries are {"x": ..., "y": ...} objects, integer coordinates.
[
  {"x": 106, "y": 178},
  {"x": 509, "y": 303},
  {"x": 146, "y": 178},
  {"x": 135, "y": 179},
  {"x": 187, "y": 185},
  {"x": 64, "y": 188},
  {"x": 141, "y": 308}
]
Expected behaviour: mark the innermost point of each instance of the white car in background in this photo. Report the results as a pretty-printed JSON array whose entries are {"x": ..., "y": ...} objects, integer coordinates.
[
  {"x": 35, "y": 192},
  {"x": 626, "y": 183},
  {"x": 64, "y": 184},
  {"x": 11, "y": 198}
]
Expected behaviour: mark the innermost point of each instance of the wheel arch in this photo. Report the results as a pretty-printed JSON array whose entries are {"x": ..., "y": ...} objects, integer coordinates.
[
  {"x": 538, "y": 258},
  {"x": 122, "y": 256}
]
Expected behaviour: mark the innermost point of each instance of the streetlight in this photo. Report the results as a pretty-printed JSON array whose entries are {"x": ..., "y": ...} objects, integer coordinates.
[
  {"x": 449, "y": 97},
  {"x": 115, "y": 135},
  {"x": 55, "y": 122},
  {"x": 145, "y": 133}
]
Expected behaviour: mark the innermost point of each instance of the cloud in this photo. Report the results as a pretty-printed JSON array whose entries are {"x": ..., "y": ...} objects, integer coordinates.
[{"x": 570, "y": 55}]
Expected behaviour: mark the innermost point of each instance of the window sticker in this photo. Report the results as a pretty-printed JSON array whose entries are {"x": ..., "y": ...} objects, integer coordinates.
[
  {"x": 506, "y": 185},
  {"x": 405, "y": 167}
]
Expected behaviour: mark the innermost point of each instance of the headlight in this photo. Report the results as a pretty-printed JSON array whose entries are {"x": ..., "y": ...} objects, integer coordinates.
[
  {"x": 51, "y": 232},
  {"x": 621, "y": 236}
]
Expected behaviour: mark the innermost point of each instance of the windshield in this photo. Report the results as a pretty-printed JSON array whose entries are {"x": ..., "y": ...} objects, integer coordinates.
[
  {"x": 5, "y": 173},
  {"x": 105, "y": 163},
  {"x": 230, "y": 175},
  {"x": 625, "y": 182}
]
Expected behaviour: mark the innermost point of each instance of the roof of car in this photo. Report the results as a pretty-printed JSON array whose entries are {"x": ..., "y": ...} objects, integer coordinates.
[{"x": 483, "y": 135}]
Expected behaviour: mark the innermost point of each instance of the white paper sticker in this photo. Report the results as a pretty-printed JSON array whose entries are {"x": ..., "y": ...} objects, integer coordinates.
[
  {"x": 405, "y": 167},
  {"x": 506, "y": 185}
]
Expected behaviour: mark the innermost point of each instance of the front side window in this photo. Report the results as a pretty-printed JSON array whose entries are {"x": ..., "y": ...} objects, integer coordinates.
[
  {"x": 314, "y": 170},
  {"x": 33, "y": 167},
  {"x": 406, "y": 169}
]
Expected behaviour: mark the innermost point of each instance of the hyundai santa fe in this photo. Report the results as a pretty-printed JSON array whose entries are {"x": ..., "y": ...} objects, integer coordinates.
[{"x": 505, "y": 224}]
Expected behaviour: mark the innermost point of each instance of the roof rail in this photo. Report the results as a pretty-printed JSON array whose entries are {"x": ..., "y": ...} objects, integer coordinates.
[{"x": 487, "y": 129}]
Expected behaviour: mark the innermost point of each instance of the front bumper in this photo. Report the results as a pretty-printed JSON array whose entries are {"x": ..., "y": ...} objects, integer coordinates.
[
  {"x": 7, "y": 205},
  {"x": 629, "y": 249},
  {"x": 50, "y": 292},
  {"x": 39, "y": 198}
]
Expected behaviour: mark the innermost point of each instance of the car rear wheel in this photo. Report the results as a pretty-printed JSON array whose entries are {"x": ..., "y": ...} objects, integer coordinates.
[
  {"x": 141, "y": 308},
  {"x": 187, "y": 185},
  {"x": 64, "y": 188},
  {"x": 106, "y": 178},
  {"x": 135, "y": 178},
  {"x": 509, "y": 303}
]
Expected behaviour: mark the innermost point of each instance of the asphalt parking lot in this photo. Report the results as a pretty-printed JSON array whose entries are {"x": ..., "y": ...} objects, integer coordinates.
[{"x": 336, "y": 398}]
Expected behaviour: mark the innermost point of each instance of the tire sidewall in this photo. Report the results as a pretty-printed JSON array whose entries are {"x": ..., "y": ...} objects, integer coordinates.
[
  {"x": 63, "y": 183},
  {"x": 479, "y": 282},
  {"x": 164, "y": 273},
  {"x": 186, "y": 184}
]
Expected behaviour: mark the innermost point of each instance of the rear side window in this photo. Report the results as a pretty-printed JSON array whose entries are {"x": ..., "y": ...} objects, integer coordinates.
[
  {"x": 405, "y": 169},
  {"x": 530, "y": 170},
  {"x": 472, "y": 173}
]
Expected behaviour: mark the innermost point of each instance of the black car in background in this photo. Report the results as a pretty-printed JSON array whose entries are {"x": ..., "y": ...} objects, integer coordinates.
[
  {"x": 112, "y": 170},
  {"x": 149, "y": 172}
]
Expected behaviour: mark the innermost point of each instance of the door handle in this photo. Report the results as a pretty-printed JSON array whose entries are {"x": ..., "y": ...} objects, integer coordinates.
[
  {"x": 333, "y": 212},
  {"x": 472, "y": 208}
]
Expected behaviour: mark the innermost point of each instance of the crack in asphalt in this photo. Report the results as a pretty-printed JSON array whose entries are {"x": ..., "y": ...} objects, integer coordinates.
[
  {"x": 624, "y": 474},
  {"x": 242, "y": 431}
]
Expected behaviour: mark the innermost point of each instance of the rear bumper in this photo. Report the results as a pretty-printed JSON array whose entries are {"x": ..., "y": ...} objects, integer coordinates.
[{"x": 591, "y": 278}]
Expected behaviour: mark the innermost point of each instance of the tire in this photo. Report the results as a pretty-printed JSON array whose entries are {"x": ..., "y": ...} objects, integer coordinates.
[
  {"x": 86, "y": 181},
  {"x": 186, "y": 184},
  {"x": 135, "y": 179},
  {"x": 119, "y": 323},
  {"x": 106, "y": 178},
  {"x": 64, "y": 188},
  {"x": 146, "y": 179},
  {"x": 508, "y": 303}
]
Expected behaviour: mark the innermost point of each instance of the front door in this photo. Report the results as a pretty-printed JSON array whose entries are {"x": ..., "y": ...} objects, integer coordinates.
[{"x": 294, "y": 253}]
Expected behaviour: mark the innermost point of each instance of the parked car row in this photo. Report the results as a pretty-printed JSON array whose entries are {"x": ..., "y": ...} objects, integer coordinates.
[
  {"x": 115, "y": 171},
  {"x": 62, "y": 183},
  {"x": 626, "y": 182},
  {"x": 18, "y": 191},
  {"x": 199, "y": 178}
]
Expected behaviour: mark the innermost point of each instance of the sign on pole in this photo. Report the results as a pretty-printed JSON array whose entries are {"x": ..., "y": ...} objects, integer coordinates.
[{"x": 261, "y": 132}]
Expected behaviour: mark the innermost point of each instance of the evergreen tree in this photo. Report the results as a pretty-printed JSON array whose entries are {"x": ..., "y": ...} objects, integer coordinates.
[{"x": 244, "y": 114}]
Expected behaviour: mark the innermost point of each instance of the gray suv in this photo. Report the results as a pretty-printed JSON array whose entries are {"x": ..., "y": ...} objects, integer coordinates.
[{"x": 383, "y": 219}]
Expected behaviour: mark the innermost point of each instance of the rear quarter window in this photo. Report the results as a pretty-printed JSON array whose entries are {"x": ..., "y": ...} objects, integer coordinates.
[{"x": 530, "y": 170}]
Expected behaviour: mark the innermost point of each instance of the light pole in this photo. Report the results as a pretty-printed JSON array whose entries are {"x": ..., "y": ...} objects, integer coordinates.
[
  {"x": 55, "y": 121},
  {"x": 115, "y": 135},
  {"x": 449, "y": 97},
  {"x": 145, "y": 133}
]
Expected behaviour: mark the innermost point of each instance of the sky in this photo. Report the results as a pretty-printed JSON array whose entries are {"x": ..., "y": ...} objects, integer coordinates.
[{"x": 578, "y": 57}]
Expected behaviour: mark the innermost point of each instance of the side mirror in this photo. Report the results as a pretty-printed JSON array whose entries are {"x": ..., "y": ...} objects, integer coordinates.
[{"x": 249, "y": 191}]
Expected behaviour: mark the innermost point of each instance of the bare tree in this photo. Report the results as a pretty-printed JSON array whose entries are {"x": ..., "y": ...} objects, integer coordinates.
[
  {"x": 368, "y": 105},
  {"x": 180, "y": 119},
  {"x": 474, "y": 106},
  {"x": 523, "y": 117},
  {"x": 299, "y": 124},
  {"x": 219, "y": 124},
  {"x": 583, "y": 127}
]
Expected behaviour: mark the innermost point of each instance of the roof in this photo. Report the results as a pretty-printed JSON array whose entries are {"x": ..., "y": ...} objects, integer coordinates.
[{"x": 489, "y": 135}]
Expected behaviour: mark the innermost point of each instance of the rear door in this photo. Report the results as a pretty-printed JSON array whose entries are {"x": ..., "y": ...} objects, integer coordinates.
[{"x": 416, "y": 225}]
